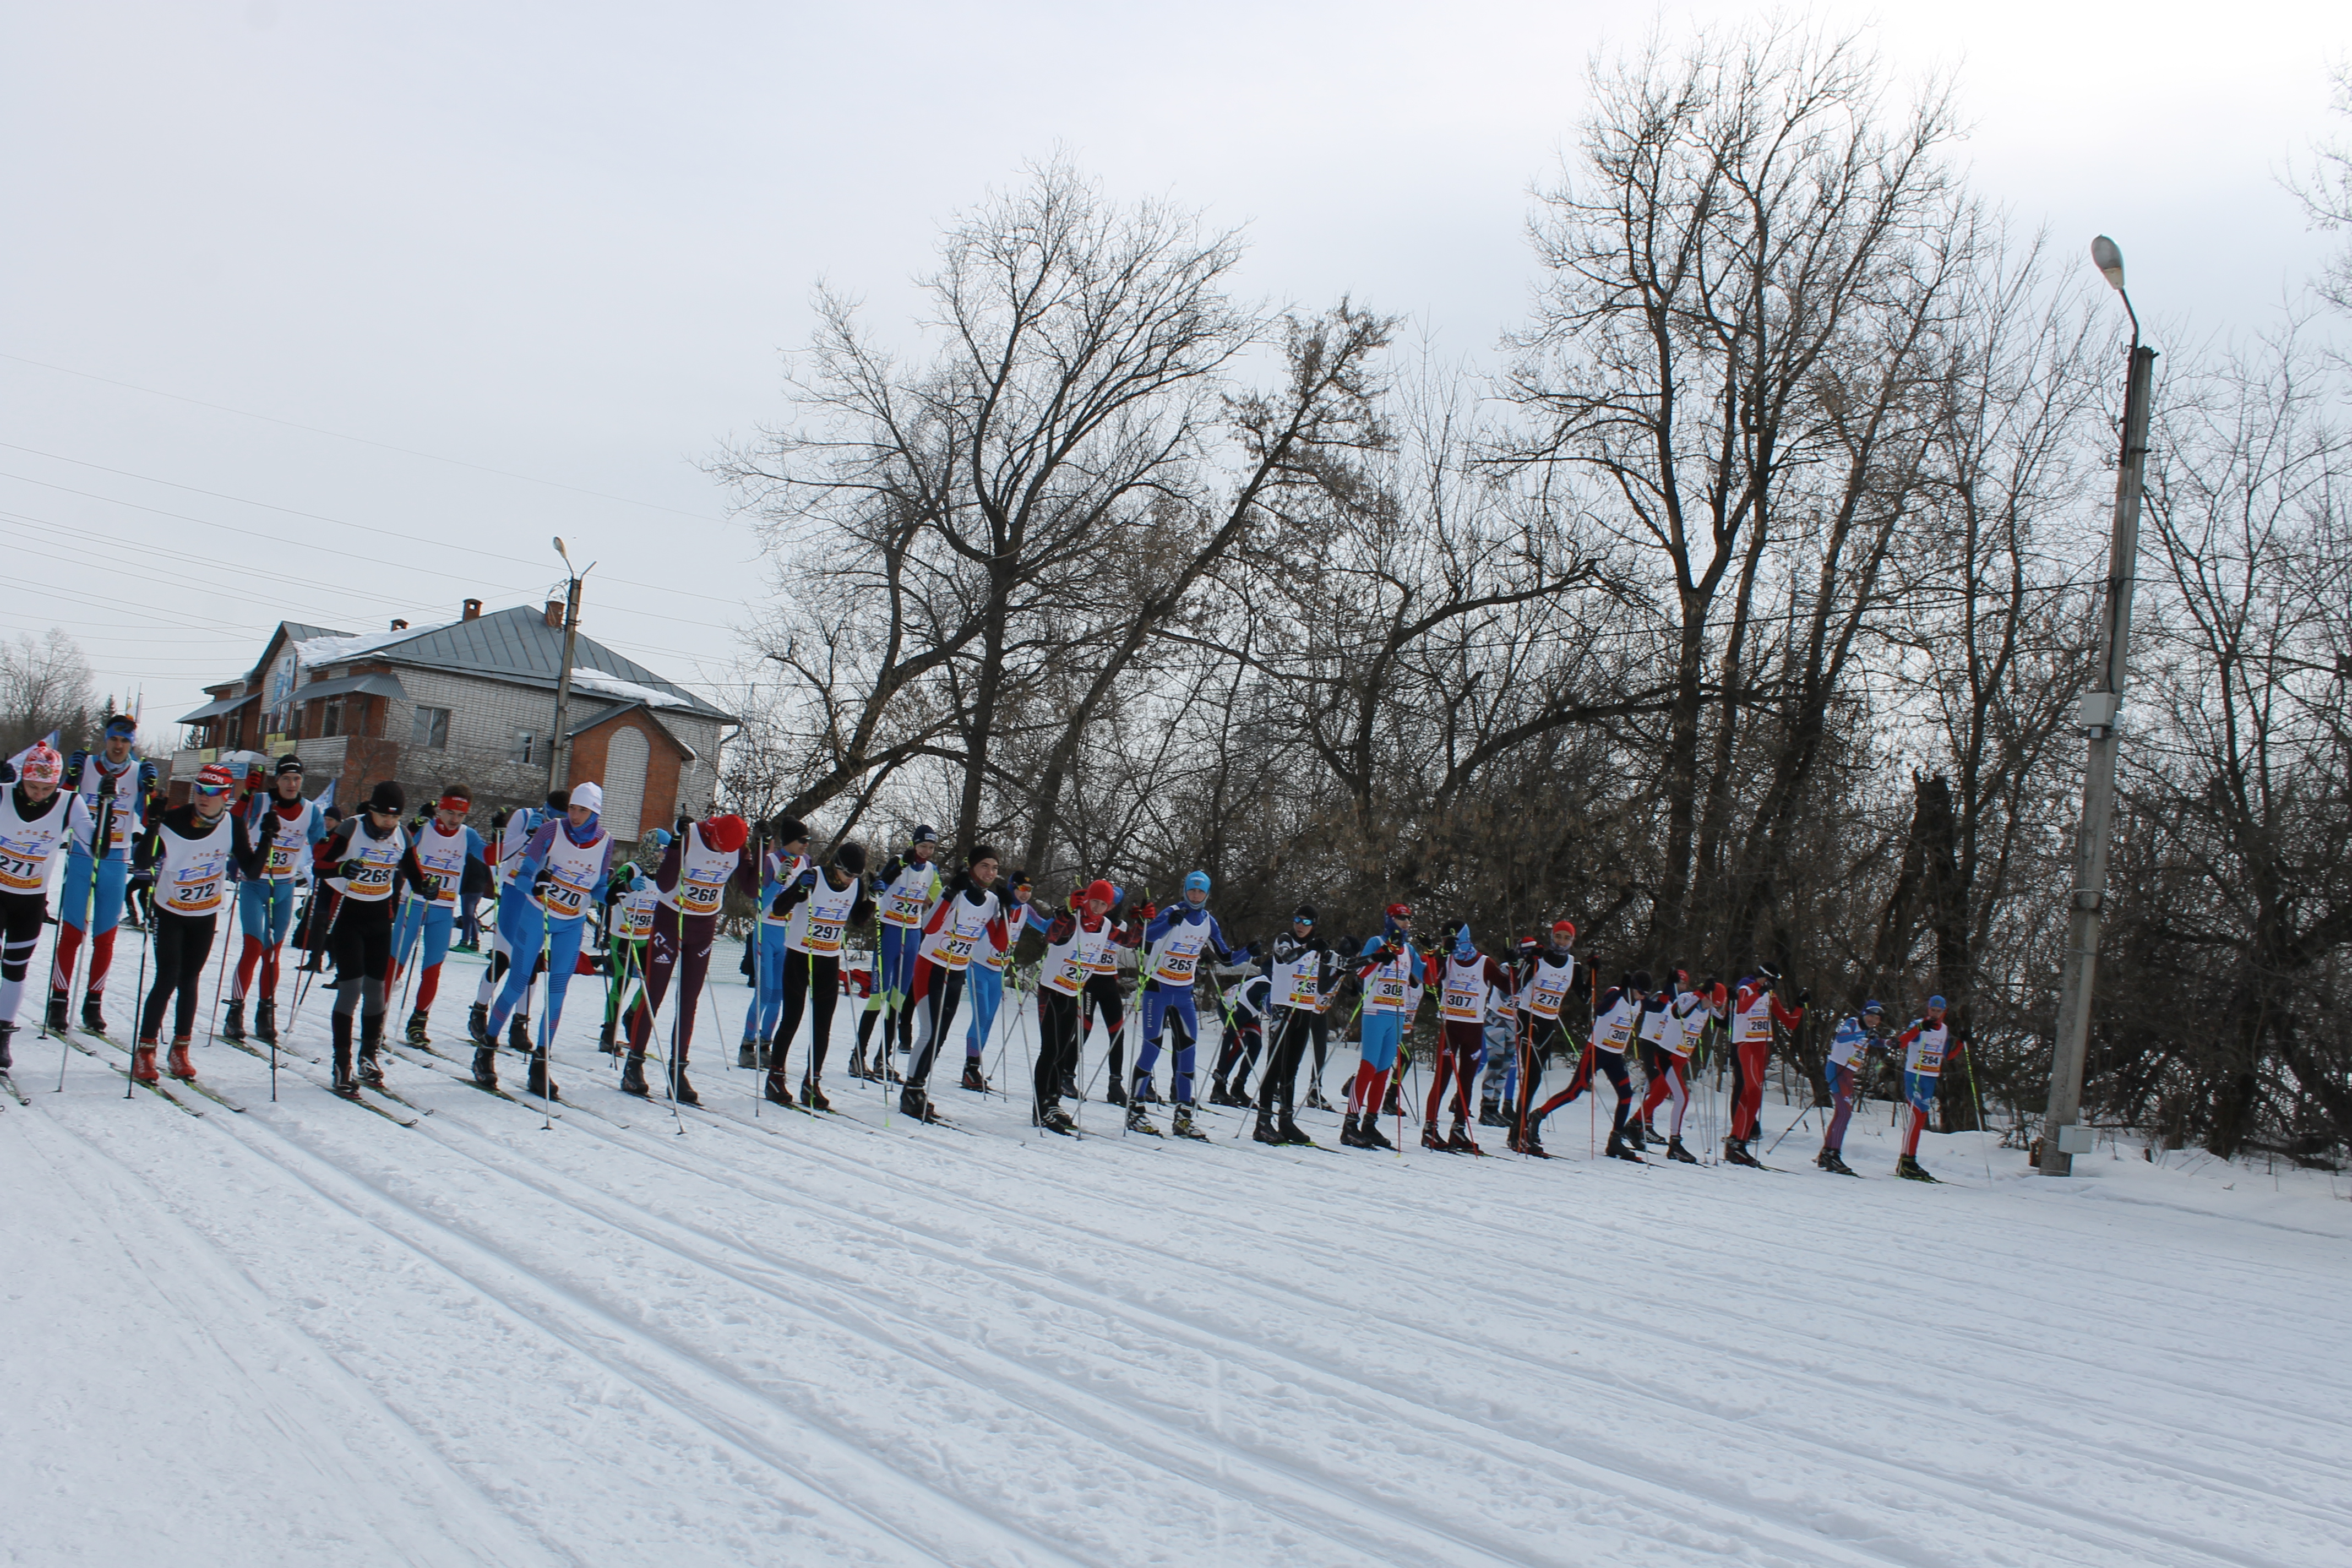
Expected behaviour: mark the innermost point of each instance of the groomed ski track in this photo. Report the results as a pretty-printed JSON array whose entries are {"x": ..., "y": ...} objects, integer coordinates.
[{"x": 306, "y": 1334}]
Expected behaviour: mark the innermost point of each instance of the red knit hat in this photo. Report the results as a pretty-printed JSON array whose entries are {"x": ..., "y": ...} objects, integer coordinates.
[
  {"x": 1099, "y": 892},
  {"x": 725, "y": 834}
]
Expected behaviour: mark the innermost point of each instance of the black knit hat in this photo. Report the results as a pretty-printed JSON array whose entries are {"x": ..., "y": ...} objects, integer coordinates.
[
  {"x": 851, "y": 858},
  {"x": 388, "y": 796}
]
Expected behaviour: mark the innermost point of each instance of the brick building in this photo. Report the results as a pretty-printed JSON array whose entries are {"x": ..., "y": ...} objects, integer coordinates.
[{"x": 471, "y": 702}]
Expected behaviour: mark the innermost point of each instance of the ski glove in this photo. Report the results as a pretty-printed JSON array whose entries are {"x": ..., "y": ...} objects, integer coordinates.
[
  {"x": 1804, "y": 998},
  {"x": 806, "y": 879}
]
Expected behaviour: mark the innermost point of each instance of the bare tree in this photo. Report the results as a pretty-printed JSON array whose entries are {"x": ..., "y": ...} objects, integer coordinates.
[{"x": 45, "y": 684}]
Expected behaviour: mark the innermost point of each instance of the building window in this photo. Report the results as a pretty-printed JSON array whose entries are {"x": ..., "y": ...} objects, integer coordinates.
[
  {"x": 520, "y": 754},
  {"x": 331, "y": 723},
  {"x": 432, "y": 729}
]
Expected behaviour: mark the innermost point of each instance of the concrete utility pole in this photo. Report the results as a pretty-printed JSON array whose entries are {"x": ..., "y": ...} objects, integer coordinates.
[
  {"x": 2061, "y": 1140},
  {"x": 559, "y": 747}
]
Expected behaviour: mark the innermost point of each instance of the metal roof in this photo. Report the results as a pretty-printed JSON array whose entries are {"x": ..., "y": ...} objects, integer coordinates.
[
  {"x": 375, "y": 684},
  {"x": 214, "y": 709},
  {"x": 519, "y": 645}
]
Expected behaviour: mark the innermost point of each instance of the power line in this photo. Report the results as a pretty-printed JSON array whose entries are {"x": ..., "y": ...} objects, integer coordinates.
[{"x": 362, "y": 440}]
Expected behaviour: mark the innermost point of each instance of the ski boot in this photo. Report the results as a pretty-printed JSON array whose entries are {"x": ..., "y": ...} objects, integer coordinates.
[
  {"x": 416, "y": 1035},
  {"x": 915, "y": 1103},
  {"x": 972, "y": 1079},
  {"x": 1459, "y": 1141},
  {"x": 1264, "y": 1132},
  {"x": 1350, "y": 1135},
  {"x": 679, "y": 1088},
  {"x": 518, "y": 1032},
  {"x": 57, "y": 1023},
  {"x": 1315, "y": 1101},
  {"x": 1070, "y": 1085},
  {"x": 177, "y": 1064},
  {"x": 1527, "y": 1143},
  {"x": 1490, "y": 1114},
  {"x": 747, "y": 1054},
  {"x": 1633, "y": 1137},
  {"x": 775, "y": 1090},
  {"x": 342, "y": 1082},
  {"x": 1053, "y": 1119},
  {"x": 486, "y": 1066},
  {"x": 813, "y": 1095},
  {"x": 1147, "y": 1095},
  {"x": 1431, "y": 1137},
  {"x": 1735, "y": 1152},
  {"x": 478, "y": 1024},
  {"x": 93, "y": 1016},
  {"x": 1370, "y": 1136},
  {"x": 1910, "y": 1170},
  {"x": 1675, "y": 1152},
  {"x": 370, "y": 1071},
  {"x": 1393, "y": 1105},
  {"x": 1115, "y": 1094},
  {"x": 1220, "y": 1095},
  {"x": 857, "y": 1065},
  {"x": 1832, "y": 1161},
  {"x": 233, "y": 1024},
  {"x": 607, "y": 1037},
  {"x": 8, "y": 1040},
  {"x": 1290, "y": 1131},
  {"x": 142, "y": 1062},
  {"x": 1182, "y": 1126},
  {"x": 1621, "y": 1147},
  {"x": 632, "y": 1076},
  {"x": 264, "y": 1020},
  {"x": 538, "y": 1080},
  {"x": 1137, "y": 1121}
]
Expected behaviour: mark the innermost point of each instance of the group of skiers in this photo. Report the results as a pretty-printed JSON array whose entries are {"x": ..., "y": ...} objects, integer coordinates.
[{"x": 389, "y": 893}]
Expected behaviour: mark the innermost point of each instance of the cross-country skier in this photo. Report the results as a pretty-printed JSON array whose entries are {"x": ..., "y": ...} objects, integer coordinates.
[
  {"x": 1858, "y": 1036},
  {"x": 1105, "y": 994},
  {"x": 629, "y": 903},
  {"x": 985, "y": 979},
  {"x": 967, "y": 921},
  {"x": 450, "y": 854},
  {"x": 1072, "y": 943},
  {"x": 265, "y": 903},
  {"x": 1390, "y": 970},
  {"x": 1547, "y": 976},
  {"x": 1304, "y": 978},
  {"x": 1684, "y": 1010},
  {"x": 691, "y": 884},
  {"x": 114, "y": 770},
  {"x": 1616, "y": 1013},
  {"x": 1755, "y": 1008},
  {"x": 1926, "y": 1045},
  {"x": 366, "y": 862},
  {"x": 819, "y": 910},
  {"x": 1464, "y": 979},
  {"x": 185, "y": 855},
  {"x": 564, "y": 872},
  {"x": 514, "y": 834},
  {"x": 1248, "y": 1006},
  {"x": 1174, "y": 943},
  {"x": 36, "y": 820},
  {"x": 781, "y": 860},
  {"x": 905, "y": 889}
]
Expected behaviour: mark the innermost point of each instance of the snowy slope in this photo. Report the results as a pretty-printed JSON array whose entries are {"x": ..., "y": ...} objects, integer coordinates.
[{"x": 307, "y": 1335}]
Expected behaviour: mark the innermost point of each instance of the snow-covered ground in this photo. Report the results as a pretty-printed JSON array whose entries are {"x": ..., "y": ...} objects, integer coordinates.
[{"x": 306, "y": 1335}]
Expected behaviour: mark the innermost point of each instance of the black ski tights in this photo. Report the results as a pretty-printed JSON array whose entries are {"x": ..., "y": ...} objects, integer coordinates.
[
  {"x": 182, "y": 943},
  {"x": 814, "y": 983},
  {"x": 1057, "y": 1045}
]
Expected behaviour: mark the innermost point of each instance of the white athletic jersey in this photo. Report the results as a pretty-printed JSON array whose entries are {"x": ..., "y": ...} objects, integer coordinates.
[
  {"x": 28, "y": 847},
  {"x": 816, "y": 924},
  {"x": 1103, "y": 957},
  {"x": 379, "y": 863},
  {"x": 192, "y": 874},
  {"x": 289, "y": 859},
  {"x": 1614, "y": 1028},
  {"x": 777, "y": 872},
  {"x": 702, "y": 874},
  {"x": 522, "y": 823},
  {"x": 1924, "y": 1054},
  {"x": 1684, "y": 1019},
  {"x": 1068, "y": 964},
  {"x": 440, "y": 856},
  {"x": 1394, "y": 985},
  {"x": 1653, "y": 1027},
  {"x": 124, "y": 823},
  {"x": 1850, "y": 1042},
  {"x": 1547, "y": 986},
  {"x": 573, "y": 872},
  {"x": 907, "y": 899},
  {"x": 1016, "y": 919},
  {"x": 961, "y": 931},
  {"x": 1753, "y": 1023},
  {"x": 1464, "y": 998},
  {"x": 1176, "y": 956},
  {"x": 633, "y": 916},
  {"x": 1298, "y": 981}
]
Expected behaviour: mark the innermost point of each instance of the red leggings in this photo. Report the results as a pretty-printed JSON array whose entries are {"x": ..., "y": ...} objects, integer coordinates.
[
  {"x": 1748, "y": 1060},
  {"x": 1457, "y": 1058},
  {"x": 1669, "y": 1082}
]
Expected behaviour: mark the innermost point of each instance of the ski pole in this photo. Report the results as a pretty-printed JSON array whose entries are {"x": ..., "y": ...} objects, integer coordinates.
[
  {"x": 101, "y": 830},
  {"x": 139, "y": 1000},
  {"x": 302, "y": 985},
  {"x": 1982, "y": 1152},
  {"x": 220, "y": 983}
]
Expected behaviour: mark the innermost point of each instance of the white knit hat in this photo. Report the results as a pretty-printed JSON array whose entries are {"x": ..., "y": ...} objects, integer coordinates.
[{"x": 589, "y": 795}]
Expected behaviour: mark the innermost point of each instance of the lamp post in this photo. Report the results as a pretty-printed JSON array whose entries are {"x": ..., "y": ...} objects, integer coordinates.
[
  {"x": 2061, "y": 1140},
  {"x": 559, "y": 747}
]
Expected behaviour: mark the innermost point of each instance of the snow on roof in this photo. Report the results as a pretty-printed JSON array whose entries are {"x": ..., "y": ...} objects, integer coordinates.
[
  {"x": 614, "y": 686},
  {"x": 317, "y": 652}
]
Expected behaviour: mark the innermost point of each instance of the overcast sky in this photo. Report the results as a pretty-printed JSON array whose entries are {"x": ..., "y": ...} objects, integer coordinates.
[{"x": 569, "y": 242}]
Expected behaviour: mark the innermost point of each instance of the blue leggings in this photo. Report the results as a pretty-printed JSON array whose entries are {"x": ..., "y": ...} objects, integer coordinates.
[
  {"x": 894, "y": 968},
  {"x": 985, "y": 986},
  {"x": 265, "y": 909},
  {"x": 563, "y": 939},
  {"x": 759, "y": 1023},
  {"x": 1383, "y": 1033},
  {"x": 431, "y": 921},
  {"x": 1160, "y": 1007},
  {"x": 73, "y": 899}
]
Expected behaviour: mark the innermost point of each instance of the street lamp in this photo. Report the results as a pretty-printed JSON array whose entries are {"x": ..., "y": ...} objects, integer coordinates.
[
  {"x": 2062, "y": 1139},
  {"x": 559, "y": 749}
]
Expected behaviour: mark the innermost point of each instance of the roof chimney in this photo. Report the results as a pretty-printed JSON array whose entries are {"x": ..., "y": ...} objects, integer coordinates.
[
  {"x": 400, "y": 625},
  {"x": 555, "y": 613},
  {"x": 473, "y": 611}
]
